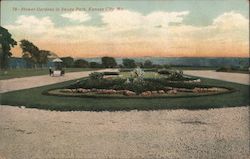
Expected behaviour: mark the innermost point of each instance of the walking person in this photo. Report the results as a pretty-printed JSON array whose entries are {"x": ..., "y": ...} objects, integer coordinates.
[{"x": 50, "y": 71}]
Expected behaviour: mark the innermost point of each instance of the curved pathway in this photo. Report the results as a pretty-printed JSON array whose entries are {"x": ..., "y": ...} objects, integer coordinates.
[
  {"x": 36, "y": 81},
  {"x": 224, "y": 76}
]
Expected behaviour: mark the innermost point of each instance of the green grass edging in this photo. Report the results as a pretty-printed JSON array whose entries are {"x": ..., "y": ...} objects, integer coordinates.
[{"x": 46, "y": 92}]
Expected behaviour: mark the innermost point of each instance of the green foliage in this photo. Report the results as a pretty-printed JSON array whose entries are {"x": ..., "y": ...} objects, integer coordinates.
[
  {"x": 67, "y": 61},
  {"x": 164, "y": 72},
  {"x": 148, "y": 64},
  {"x": 95, "y": 65},
  {"x": 96, "y": 76},
  {"x": 145, "y": 70},
  {"x": 149, "y": 84},
  {"x": 110, "y": 73},
  {"x": 30, "y": 51},
  {"x": 109, "y": 62},
  {"x": 96, "y": 82},
  {"x": 81, "y": 63},
  {"x": 32, "y": 54},
  {"x": 6, "y": 42},
  {"x": 176, "y": 76},
  {"x": 165, "y": 82},
  {"x": 128, "y": 63},
  {"x": 137, "y": 73},
  {"x": 43, "y": 56},
  {"x": 139, "y": 86}
]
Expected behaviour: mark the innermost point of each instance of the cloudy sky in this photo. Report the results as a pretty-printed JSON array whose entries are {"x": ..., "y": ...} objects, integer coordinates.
[{"x": 164, "y": 28}]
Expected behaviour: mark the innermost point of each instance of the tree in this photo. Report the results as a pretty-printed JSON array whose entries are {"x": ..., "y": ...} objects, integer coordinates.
[
  {"x": 81, "y": 63},
  {"x": 68, "y": 61},
  {"x": 139, "y": 64},
  {"x": 128, "y": 63},
  {"x": 33, "y": 55},
  {"x": 43, "y": 57},
  {"x": 95, "y": 65},
  {"x": 30, "y": 52},
  {"x": 6, "y": 42},
  {"x": 96, "y": 75},
  {"x": 109, "y": 62},
  {"x": 148, "y": 64}
]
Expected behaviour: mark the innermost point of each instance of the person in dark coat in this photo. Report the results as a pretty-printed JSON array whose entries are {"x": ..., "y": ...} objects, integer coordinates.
[{"x": 50, "y": 71}]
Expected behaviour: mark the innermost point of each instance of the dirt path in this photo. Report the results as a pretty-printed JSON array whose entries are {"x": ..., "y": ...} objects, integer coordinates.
[
  {"x": 36, "y": 81},
  {"x": 217, "y": 133},
  {"x": 225, "y": 76}
]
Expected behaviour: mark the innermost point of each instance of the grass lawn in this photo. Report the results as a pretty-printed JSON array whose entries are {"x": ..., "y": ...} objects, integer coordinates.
[
  {"x": 17, "y": 73},
  {"x": 146, "y": 75},
  {"x": 33, "y": 98}
]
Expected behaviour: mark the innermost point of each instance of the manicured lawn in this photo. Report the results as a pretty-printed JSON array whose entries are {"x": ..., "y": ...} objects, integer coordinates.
[
  {"x": 17, "y": 73},
  {"x": 146, "y": 75},
  {"x": 33, "y": 98}
]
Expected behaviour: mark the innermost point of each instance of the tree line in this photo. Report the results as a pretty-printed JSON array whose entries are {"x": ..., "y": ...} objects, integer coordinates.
[
  {"x": 37, "y": 57},
  {"x": 33, "y": 55},
  {"x": 109, "y": 62},
  {"x": 30, "y": 52}
]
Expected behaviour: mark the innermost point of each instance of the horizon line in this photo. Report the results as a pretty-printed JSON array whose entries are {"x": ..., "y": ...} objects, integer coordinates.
[{"x": 151, "y": 57}]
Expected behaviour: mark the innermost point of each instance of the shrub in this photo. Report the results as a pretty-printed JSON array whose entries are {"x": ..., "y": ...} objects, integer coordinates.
[
  {"x": 138, "y": 74},
  {"x": 110, "y": 73},
  {"x": 96, "y": 75},
  {"x": 224, "y": 69},
  {"x": 74, "y": 85},
  {"x": 99, "y": 84},
  {"x": 125, "y": 69},
  {"x": 139, "y": 86},
  {"x": 150, "y": 70},
  {"x": 145, "y": 70},
  {"x": 176, "y": 76},
  {"x": 164, "y": 72}
]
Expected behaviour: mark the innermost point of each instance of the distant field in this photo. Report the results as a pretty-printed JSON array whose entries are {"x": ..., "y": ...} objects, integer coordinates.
[{"x": 18, "y": 73}]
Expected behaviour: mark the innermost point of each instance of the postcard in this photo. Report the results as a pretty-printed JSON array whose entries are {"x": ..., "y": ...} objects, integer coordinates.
[{"x": 124, "y": 79}]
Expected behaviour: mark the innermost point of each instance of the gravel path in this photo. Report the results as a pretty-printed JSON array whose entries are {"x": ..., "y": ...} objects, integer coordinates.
[
  {"x": 217, "y": 133},
  {"x": 225, "y": 76},
  {"x": 36, "y": 81}
]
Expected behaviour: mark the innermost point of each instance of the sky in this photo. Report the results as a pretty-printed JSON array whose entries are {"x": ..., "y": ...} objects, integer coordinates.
[{"x": 126, "y": 28}]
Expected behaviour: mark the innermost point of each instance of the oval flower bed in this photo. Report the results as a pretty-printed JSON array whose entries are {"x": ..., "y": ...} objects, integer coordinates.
[{"x": 149, "y": 87}]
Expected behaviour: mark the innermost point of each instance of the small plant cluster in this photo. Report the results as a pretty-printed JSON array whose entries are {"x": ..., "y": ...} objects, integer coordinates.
[
  {"x": 137, "y": 75},
  {"x": 100, "y": 75},
  {"x": 175, "y": 75},
  {"x": 96, "y": 76},
  {"x": 164, "y": 72},
  {"x": 111, "y": 73}
]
